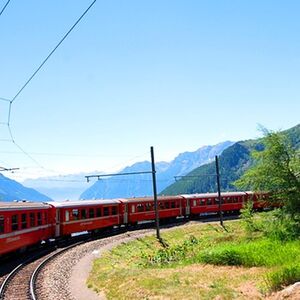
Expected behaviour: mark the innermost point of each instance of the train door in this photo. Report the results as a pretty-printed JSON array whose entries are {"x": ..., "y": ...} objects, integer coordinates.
[
  {"x": 57, "y": 223},
  {"x": 125, "y": 213},
  {"x": 2, "y": 224},
  {"x": 188, "y": 207}
]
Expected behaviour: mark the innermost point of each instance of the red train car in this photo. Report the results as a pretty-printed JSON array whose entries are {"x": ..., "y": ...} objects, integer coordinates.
[
  {"x": 88, "y": 215},
  {"x": 142, "y": 209},
  {"x": 209, "y": 203},
  {"x": 23, "y": 224}
]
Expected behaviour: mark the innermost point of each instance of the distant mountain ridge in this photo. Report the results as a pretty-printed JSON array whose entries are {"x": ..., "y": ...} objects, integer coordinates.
[
  {"x": 140, "y": 185},
  {"x": 61, "y": 187},
  {"x": 234, "y": 161},
  {"x": 12, "y": 190}
]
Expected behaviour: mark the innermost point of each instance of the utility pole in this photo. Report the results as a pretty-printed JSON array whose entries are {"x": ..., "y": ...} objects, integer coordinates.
[
  {"x": 155, "y": 194},
  {"x": 153, "y": 172},
  {"x": 219, "y": 190}
]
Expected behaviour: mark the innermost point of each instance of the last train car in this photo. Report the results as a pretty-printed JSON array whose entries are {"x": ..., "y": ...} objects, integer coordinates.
[{"x": 23, "y": 224}]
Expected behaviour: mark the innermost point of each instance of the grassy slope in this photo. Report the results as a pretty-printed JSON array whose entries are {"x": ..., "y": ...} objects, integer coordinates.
[{"x": 245, "y": 267}]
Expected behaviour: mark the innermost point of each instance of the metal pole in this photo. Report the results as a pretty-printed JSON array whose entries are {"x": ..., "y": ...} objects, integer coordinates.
[
  {"x": 219, "y": 190},
  {"x": 155, "y": 194}
]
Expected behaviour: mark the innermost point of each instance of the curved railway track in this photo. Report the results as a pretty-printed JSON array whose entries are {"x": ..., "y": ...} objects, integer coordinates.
[
  {"x": 34, "y": 276},
  {"x": 21, "y": 282},
  {"x": 16, "y": 283}
]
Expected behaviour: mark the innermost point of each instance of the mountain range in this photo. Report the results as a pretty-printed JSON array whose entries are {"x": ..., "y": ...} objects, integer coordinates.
[
  {"x": 141, "y": 185},
  {"x": 74, "y": 186},
  {"x": 234, "y": 161},
  {"x": 12, "y": 190}
]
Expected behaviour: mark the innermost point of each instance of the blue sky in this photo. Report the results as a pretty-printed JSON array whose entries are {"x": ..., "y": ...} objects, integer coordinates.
[{"x": 175, "y": 75}]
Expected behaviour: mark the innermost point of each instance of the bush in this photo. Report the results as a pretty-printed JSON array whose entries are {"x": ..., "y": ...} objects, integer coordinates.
[
  {"x": 168, "y": 255},
  {"x": 276, "y": 225},
  {"x": 281, "y": 226},
  {"x": 226, "y": 256},
  {"x": 285, "y": 276},
  {"x": 248, "y": 220}
]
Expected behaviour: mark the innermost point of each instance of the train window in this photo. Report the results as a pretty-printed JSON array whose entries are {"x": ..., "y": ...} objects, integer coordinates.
[
  {"x": 217, "y": 201},
  {"x": 223, "y": 200},
  {"x": 140, "y": 207},
  {"x": 106, "y": 211},
  {"x": 14, "y": 222},
  {"x": 202, "y": 202},
  {"x": 83, "y": 214},
  {"x": 75, "y": 214},
  {"x": 173, "y": 204},
  {"x": 133, "y": 209},
  {"x": 209, "y": 201},
  {"x": 23, "y": 221},
  {"x": 1, "y": 224},
  {"x": 167, "y": 205},
  {"x": 67, "y": 216},
  {"x": 229, "y": 200},
  {"x": 98, "y": 212},
  {"x": 39, "y": 218},
  {"x": 114, "y": 210},
  {"x": 32, "y": 219},
  {"x": 148, "y": 206},
  {"x": 92, "y": 213}
]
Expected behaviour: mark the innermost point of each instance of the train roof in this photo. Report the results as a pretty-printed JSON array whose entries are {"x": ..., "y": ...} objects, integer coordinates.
[
  {"x": 145, "y": 199},
  {"x": 67, "y": 203},
  {"x": 21, "y": 205},
  {"x": 214, "y": 195}
]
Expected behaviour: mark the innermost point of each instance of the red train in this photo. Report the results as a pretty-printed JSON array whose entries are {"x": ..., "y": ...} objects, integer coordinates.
[{"x": 23, "y": 224}]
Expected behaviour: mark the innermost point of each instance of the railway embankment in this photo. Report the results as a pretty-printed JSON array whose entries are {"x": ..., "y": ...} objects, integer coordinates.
[{"x": 201, "y": 261}]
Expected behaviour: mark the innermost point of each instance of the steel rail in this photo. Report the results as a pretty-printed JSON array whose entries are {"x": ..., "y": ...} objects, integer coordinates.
[
  {"x": 9, "y": 277},
  {"x": 38, "y": 269}
]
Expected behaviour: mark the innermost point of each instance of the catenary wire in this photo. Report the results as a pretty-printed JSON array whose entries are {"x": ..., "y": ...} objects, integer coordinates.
[
  {"x": 32, "y": 76},
  {"x": 45, "y": 60},
  {"x": 4, "y": 7}
]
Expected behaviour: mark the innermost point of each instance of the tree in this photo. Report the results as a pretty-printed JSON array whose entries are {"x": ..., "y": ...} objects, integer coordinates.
[{"x": 276, "y": 170}]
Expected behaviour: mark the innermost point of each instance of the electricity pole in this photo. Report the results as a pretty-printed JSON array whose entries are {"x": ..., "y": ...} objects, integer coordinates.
[
  {"x": 219, "y": 190},
  {"x": 155, "y": 194},
  {"x": 153, "y": 172}
]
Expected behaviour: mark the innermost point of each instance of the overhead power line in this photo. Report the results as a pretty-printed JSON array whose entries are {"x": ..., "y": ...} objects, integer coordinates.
[
  {"x": 8, "y": 169},
  {"x": 3, "y": 9},
  {"x": 45, "y": 60},
  {"x": 4, "y": 99},
  {"x": 31, "y": 77}
]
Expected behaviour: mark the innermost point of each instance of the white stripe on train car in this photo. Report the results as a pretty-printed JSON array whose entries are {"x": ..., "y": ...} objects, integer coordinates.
[
  {"x": 88, "y": 221},
  {"x": 19, "y": 232}
]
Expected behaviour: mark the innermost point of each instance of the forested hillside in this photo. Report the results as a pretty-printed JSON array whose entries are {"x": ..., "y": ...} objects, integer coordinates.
[{"x": 234, "y": 161}]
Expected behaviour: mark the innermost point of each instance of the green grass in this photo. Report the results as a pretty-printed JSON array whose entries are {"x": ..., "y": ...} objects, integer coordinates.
[
  {"x": 201, "y": 261},
  {"x": 261, "y": 252}
]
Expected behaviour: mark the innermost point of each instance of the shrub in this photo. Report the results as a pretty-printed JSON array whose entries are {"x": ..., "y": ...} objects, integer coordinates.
[
  {"x": 172, "y": 254},
  {"x": 285, "y": 276}
]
